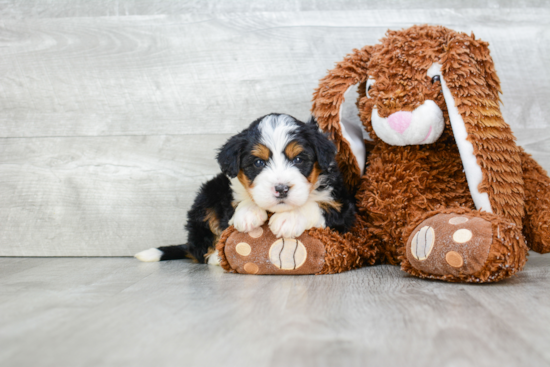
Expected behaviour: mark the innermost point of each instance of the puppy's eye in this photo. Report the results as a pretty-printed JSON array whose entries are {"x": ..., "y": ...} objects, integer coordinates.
[
  {"x": 436, "y": 78},
  {"x": 259, "y": 163},
  {"x": 297, "y": 160}
]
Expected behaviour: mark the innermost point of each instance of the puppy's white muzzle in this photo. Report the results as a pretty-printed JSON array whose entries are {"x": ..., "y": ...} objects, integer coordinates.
[{"x": 265, "y": 192}]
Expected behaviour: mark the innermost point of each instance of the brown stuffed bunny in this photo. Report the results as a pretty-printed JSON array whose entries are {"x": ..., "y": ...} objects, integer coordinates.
[
  {"x": 445, "y": 190},
  {"x": 442, "y": 187}
]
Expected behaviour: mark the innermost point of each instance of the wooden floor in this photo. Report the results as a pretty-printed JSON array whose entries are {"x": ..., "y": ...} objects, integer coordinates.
[{"x": 120, "y": 312}]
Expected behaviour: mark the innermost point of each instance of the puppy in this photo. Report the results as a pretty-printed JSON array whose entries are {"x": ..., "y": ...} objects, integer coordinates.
[{"x": 278, "y": 165}]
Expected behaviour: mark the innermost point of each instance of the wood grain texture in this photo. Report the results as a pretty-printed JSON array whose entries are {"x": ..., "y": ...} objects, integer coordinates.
[
  {"x": 113, "y": 312},
  {"x": 213, "y": 73},
  {"x": 108, "y": 196},
  {"x": 25, "y": 9},
  {"x": 104, "y": 103}
]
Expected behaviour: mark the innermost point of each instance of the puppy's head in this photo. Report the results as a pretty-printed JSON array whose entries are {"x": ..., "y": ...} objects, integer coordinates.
[{"x": 277, "y": 161}]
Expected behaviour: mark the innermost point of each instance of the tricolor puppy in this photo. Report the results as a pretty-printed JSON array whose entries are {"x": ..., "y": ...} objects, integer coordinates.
[{"x": 277, "y": 165}]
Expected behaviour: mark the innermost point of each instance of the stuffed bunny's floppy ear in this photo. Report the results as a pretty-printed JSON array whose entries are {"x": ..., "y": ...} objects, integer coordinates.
[
  {"x": 472, "y": 170},
  {"x": 485, "y": 141},
  {"x": 336, "y": 113},
  {"x": 352, "y": 126}
]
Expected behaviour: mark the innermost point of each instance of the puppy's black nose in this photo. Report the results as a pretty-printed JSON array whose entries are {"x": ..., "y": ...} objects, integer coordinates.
[{"x": 281, "y": 191}]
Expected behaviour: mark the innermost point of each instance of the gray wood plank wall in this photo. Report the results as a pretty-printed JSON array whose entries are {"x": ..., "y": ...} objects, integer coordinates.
[{"x": 111, "y": 112}]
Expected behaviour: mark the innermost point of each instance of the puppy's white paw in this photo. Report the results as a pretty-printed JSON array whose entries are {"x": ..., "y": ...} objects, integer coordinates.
[
  {"x": 248, "y": 218},
  {"x": 287, "y": 224},
  {"x": 213, "y": 259}
]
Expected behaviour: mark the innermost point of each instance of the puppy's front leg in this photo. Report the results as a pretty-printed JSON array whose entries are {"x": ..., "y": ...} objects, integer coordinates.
[
  {"x": 293, "y": 223},
  {"x": 248, "y": 216}
]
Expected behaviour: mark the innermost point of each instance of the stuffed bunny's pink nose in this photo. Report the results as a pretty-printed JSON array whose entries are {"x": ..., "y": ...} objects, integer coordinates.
[{"x": 400, "y": 121}]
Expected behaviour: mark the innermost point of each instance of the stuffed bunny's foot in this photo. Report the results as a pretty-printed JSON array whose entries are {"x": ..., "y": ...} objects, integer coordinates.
[
  {"x": 464, "y": 247},
  {"x": 261, "y": 252}
]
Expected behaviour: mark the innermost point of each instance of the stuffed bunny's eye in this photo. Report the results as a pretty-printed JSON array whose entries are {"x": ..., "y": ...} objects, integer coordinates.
[{"x": 370, "y": 83}]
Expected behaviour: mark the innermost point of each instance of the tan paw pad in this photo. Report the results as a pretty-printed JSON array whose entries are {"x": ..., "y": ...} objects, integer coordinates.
[
  {"x": 422, "y": 243},
  {"x": 287, "y": 254},
  {"x": 458, "y": 220},
  {"x": 256, "y": 232},
  {"x": 243, "y": 249},
  {"x": 251, "y": 268},
  {"x": 454, "y": 259},
  {"x": 462, "y": 236}
]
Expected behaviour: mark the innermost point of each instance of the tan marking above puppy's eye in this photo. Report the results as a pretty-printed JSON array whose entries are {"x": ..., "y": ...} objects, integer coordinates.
[
  {"x": 261, "y": 151},
  {"x": 293, "y": 149}
]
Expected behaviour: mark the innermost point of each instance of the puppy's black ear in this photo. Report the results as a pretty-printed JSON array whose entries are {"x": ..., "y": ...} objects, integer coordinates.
[
  {"x": 229, "y": 156},
  {"x": 324, "y": 148}
]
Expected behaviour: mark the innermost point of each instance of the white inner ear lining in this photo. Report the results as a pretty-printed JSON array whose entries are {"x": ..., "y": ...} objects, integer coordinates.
[
  {"x": 352, "y": 127},
  {"x": 472, "y": 170}
]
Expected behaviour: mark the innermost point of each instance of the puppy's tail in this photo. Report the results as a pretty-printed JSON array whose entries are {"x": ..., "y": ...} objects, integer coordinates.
[{"x": 174, "y": 252}]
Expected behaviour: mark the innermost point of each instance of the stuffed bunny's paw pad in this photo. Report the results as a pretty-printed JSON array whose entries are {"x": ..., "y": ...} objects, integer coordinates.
[{"x": 450, "y": 244}]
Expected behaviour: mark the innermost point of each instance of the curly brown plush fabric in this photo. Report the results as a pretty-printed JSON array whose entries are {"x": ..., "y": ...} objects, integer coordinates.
[
  {"x": 327, "y": 101},
  {"x": 536, "y": 223},
  {"x": 344, "y": 252},
  {"x": 404, "y": 185},
  {"x": 220, "y": 245}
]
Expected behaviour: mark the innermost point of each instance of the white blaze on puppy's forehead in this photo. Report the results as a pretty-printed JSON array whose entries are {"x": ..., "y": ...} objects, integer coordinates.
[{"x": 276, "y": 132}]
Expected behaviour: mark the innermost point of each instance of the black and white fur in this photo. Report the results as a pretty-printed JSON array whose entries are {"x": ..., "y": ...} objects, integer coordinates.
[{"x": 278, "y": 165}]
